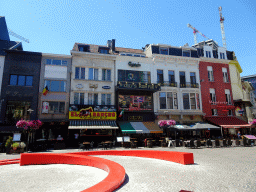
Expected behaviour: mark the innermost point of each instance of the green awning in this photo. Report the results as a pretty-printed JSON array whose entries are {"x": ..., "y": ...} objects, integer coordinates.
[{"x": 126, "y": 127}]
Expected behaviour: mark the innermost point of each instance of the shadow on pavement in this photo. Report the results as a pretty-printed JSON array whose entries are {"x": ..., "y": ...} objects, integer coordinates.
[{"x": 126, "y": 180}]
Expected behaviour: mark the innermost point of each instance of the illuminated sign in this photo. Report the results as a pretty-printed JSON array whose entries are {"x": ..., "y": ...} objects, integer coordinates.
[
  {"x": 138, "y": 86},
  {"x": 89, "y": 114}
]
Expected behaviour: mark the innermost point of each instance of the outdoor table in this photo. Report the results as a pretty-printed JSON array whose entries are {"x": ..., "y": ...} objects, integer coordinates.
[
  {"x": 187, "y": 142},
  {"x": 203, "y": 143},
  {"x": 233, "y": 143},
  {"x": 86, "y": 145}
]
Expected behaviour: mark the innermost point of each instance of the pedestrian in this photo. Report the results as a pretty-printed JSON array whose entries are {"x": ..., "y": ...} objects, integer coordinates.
[{"x": 239, "y": 135}]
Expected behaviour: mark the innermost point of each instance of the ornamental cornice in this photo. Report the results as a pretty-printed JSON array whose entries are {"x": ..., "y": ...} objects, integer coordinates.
[
  {"x": 93, "y": 55},
  {"x": 175, "y": 59},
  {"x": 212, "y": 60}
]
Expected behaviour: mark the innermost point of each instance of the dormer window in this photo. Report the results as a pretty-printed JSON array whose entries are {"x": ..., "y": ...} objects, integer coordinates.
[
  {"x": 186, "y": 53},
  {"x": 104, "y": 50},
  {"x": 208, "y": 54},
  {"x": 84, "y": 48},
  {"x": 163, "y": 51},
  {"x": 222, "y": 55}
]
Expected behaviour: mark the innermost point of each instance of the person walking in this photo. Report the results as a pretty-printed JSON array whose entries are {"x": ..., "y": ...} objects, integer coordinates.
[{"x": 239, "y": 135}]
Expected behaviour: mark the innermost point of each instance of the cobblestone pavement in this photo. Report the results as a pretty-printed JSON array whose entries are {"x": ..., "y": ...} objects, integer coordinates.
[{"x": 215, "y": 169}]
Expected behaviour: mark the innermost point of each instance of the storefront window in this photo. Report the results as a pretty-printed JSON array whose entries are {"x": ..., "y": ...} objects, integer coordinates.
[{"x": 17, "y": 110}]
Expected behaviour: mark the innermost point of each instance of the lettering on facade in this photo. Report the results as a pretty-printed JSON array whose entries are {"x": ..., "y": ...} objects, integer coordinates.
[
  {"x": 88, "y": 113},
  {"x": 135, "y": 118},
  {"x": 143, "y": 86},
  {"x": 133, "y": 64}
]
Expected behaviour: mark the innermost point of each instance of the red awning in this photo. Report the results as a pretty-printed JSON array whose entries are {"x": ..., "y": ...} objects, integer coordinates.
[{"x": 228, "y": 122}]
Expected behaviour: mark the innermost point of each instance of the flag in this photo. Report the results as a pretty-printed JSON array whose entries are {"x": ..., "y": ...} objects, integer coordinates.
[
  {"x": 45, "y": 90},
  {"x": 122, "y": 112}
]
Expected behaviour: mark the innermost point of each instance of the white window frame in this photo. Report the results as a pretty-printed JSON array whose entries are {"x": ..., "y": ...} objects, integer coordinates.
[
  {"x": 80, "y": 72},
  {"x": 196, "y": 102},
  {"x": 174, "y": 101},
  {"x": 222, "y": 55},
  {"x": 210, "y": 71},
  {"x": 93, "y": 101},
  {"x": 215, "y": 112},
  {"x": 228, "y": 95},
  {"x": 106, "y": 98},
  {"x": 212, "y": 91},
  {"x": 79, "y": 98},
  {"x": 208, "y": 54},
  {"x": 52, "y": 111},
  {"x": 106, "y": 75},
  {"x": 225, "y": 74},
  {"x": 93, "y": 74},
  {"x": 63, "y": 62}
]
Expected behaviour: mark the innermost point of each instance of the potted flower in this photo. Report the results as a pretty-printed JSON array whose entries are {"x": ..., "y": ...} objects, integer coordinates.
[
  {"x": 8, "y": 145},
  {"x": 15, "y": 146}
]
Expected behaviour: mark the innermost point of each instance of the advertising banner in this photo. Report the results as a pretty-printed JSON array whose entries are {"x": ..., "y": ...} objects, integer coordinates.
[
  {"x": 90, "y": 114},
  {"x": 45, "y": 107}
]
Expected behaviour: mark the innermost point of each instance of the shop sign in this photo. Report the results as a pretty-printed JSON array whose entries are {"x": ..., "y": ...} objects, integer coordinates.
[
  {"x": 133, "y": 64},
  {"x": 135, "y": 118},
  {"x": 138, "y": 86},
  {"x": 106, "y": 87},
  {"x": 89, "y": 114}
]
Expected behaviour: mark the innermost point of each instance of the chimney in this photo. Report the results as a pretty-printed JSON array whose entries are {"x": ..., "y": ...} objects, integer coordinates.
[
  {"x": 113, "y": 45},
  {"x": 109, "y": 43}
]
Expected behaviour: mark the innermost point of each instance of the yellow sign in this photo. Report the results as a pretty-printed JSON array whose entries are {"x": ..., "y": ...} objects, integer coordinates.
[{"x": 89, "y": 114}]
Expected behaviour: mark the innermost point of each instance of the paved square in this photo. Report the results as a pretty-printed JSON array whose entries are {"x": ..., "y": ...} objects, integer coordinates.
[{"x": 215, "y": 169}]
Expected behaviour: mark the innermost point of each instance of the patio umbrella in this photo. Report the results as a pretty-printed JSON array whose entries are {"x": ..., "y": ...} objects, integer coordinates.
[{"x": 201, "y": 126}]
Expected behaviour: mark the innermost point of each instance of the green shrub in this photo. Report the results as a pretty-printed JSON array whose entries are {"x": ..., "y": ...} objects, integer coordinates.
[{"x": 9, "y": 142}]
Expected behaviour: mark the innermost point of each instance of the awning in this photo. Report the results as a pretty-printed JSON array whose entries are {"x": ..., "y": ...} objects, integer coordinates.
[
  {"x": 199, "y": 126},
  {"x": 10, "y": 129},
  {"x": 152, "y": 127},
  {"x": 183, "y": 127},
  {"x": 139, "y": 127},
  {"x": 228, "y": 122},
  {"x": 126, "y": 127},
  {"x": 250, "y": 137},
  {"x": 92, "y": 124}
]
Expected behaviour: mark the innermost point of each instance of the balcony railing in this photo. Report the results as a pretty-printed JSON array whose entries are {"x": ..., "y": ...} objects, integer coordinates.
[
  {"x": 168, "y": 84},
  {"x": 189, "y": 85}
]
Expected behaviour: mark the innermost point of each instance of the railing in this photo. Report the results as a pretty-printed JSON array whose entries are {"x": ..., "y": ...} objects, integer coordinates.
[
  {"x": 168, "y": 84},
  {"x": 189, "y": 85}
]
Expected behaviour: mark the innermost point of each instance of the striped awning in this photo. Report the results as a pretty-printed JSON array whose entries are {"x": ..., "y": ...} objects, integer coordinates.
[
  {"x": 92, "y": 124},
  {"x": 139, "y": 127}
]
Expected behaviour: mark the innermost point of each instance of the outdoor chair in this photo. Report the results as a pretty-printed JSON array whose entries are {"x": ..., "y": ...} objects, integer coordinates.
[
  {"x": 91, "y": 145},
  {"x": 209, "y": 143},
  {"x": 245, "y": 142},
  {"x": 217, "y": 142},
  {"x": 229, "y": 142},
  {"x": 237, "y": 142},
  {"x": 198, "y": 143},
  {"x": 81, "y": 146},
  {"x": 192, "y": 144},
  {"x": 241, "y": 143},
  {"x": 224, "y": 143},
  {"x": 177, "y": 143},
  {"x": 100, "y": 145}
]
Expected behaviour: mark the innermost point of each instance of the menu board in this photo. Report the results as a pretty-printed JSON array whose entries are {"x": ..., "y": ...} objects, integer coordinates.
[
  {"x": 135, "y": 102},
  {"x": 119, "y": 139},
  {"x": 126, "y": 139}
]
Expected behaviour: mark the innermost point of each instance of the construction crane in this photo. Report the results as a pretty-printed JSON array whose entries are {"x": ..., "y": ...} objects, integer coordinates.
[
  {"x": 196, "y": 31},
  {"x": 17, "y": 36},
  {"x": 222, "y": 28}
]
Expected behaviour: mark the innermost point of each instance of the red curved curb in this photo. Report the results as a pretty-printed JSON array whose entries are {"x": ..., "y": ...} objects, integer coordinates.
[
  {"x": 116, "y": 172},
  {"x": 173, "y": 156}
]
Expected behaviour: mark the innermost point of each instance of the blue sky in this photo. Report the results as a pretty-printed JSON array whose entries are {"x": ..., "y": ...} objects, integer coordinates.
[{"x": 53, "y": 26}]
